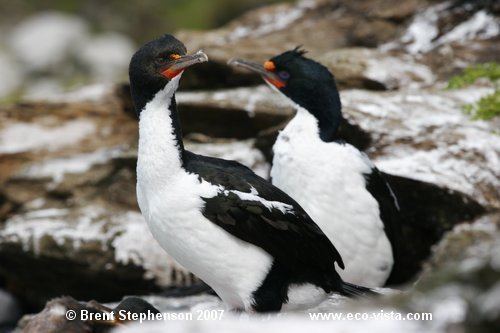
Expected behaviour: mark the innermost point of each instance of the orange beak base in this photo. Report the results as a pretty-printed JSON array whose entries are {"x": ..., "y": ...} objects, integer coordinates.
[
  {"x": 277, "y": 83},
  {"x": 170, "y": 73},
  {"x": 180, "y": 63}
]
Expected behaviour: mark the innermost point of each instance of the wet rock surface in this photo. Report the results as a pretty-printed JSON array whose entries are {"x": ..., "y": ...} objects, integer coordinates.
[
  {"x": 319, "y": 26},
  {"x": 70, "y": 225},
  {"x": 441, "y": 37},
  {"x": 419, "y": 134},
  {"x": 460, "y": 281},
  {"x": 458, "y": 287},
  {"x": 65, "y": 314},
  {"x": 68, "y": 53},
  {"x": 70, "y": 210},
  {"x": 70, "y": 222}
]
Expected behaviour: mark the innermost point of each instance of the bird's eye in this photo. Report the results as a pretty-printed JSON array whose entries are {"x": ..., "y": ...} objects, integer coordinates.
[
  {"x": 174, "y": 56},
  {"x": 284, "y": 75}
]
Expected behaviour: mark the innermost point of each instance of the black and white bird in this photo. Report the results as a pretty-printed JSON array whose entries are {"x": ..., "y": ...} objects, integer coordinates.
[
  {"x": 334, "y": 182},
  {"x": 253, "y": 244}
]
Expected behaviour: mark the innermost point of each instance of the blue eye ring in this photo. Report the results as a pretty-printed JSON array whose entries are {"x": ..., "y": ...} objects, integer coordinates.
[{"x": 284, "y": 75}]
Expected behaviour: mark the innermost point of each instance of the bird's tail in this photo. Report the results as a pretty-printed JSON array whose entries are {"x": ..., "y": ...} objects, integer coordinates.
[{"x": 353, "y": 290}]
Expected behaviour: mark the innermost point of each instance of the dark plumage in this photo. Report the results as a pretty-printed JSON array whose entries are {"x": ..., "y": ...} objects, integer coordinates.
[
  {"x": 336, "y": 184},
  {"x": 255, "y": 227},
  {"x": 390, "y": 215}
]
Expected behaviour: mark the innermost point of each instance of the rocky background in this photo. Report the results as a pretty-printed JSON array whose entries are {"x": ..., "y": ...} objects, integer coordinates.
[{"x": 69, "y": 222}]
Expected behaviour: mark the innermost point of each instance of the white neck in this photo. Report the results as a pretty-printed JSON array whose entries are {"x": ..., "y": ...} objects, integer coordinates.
[
  {"x": 158, "y": 152},
  {"x": 303, "y": 124}
]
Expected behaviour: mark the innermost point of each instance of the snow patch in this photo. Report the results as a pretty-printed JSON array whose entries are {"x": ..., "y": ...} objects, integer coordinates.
[
  {"x": 446, "y": 148},
  {"x": 11, "y": 74},
  {"x": 51, "y": 91},
  {"x": 30, "y": 228},
  {"x": 423, "y": 30},
  {"x": 290, "y": 323},
  {"x": 484, "y": 224},
  {"x": 125, "y": 233},
  {"x": 422, "y": 134},
  {"x": 423, "y": 35},
  {"x": 58, "y": 167},
  {"x": 10, "y": 310},
  {"x": 481, "y": 25},
  {"x": 42, "y": 89},
  {"x": 270, "y": 22},
  {"x": 135, "y": 244},
  {"x": 57, "y": 310},
  {"x": 107, "y": 56},
  {"x": 44, "y": 40},
  {"x": 21, "y": 137},
  {"x": 395, "y": 73},
  {"x": 451, "y": 308},
  {"x": 490, "y": 302},
  {"x": 248, "y": 99}
]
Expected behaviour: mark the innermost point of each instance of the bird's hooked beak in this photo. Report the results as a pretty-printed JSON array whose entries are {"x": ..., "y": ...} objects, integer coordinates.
[
  {"x": 267, "y": 71},
  {"x": 179, "y": 63}
]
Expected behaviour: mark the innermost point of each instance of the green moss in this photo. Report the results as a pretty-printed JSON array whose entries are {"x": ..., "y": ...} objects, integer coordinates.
[
  {"x": 489, "y": 70},
  {"x": 12, "y": 98},
  {"x": 486, "y": 108}
]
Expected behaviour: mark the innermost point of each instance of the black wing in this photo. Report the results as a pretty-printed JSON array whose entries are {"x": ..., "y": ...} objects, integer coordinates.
[
  {"x": 380, "y": 189},
  {"x": 289, "y": 235}
]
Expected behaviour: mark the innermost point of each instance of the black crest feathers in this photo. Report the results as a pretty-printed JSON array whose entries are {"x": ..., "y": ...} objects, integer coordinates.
[{"x": 299, "y": 50}]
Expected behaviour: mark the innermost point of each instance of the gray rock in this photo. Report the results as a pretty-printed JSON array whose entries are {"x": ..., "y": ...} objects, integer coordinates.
[
  {"x": 425, "y": 135},
  {"x": 450, "y": 35},
  {"x": 431, "y": 195},
  {"x": 459, "y": 285},
  {"x": 92, "y": 252},
  {"x": 53, "y": 318},
  {"x": 440, "y": 38},
  {"x": 12, "y": 75},
  {"x": 458, "y": 291},
  {"x": 376, "y": 70},
  {"x": 46, "y": 39},
  {"x": 84, "y": 317},
  {"x": 68, "y": 206},
  {"x": 69, "y": 223},
  {"x": 418, "y": 134},
  {"x": 320, "y": 26},
  {"x": 80, "y": 192},
  {"x": 10, "y": 310},
  {"x": 105, "y": 56},
  {"x": 449, "y": 22}
]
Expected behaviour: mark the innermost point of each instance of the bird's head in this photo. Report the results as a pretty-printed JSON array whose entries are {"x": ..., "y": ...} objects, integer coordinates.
[
  {"x": 292, "y": 74},
  {"x": 157, "y": 63},
  {"x": 305, "y": 82}
]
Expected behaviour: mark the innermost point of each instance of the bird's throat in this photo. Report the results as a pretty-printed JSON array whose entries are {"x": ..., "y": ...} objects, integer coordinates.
[{"x": 160, "y": 148}]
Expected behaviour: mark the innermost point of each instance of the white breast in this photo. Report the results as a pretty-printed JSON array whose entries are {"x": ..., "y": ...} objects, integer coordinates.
[
  {"x": 171, "y": 201},
  {"x": 327, "y": 180}
]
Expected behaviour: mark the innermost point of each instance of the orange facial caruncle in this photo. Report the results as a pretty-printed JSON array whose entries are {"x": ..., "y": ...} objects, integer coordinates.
[
  {"x": 171, "y": 73},
  {"x": 271, "y": 67}
]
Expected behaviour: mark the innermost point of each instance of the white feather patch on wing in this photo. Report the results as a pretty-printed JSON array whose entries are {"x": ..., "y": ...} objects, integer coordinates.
[{"x": 254, "y": 196}]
